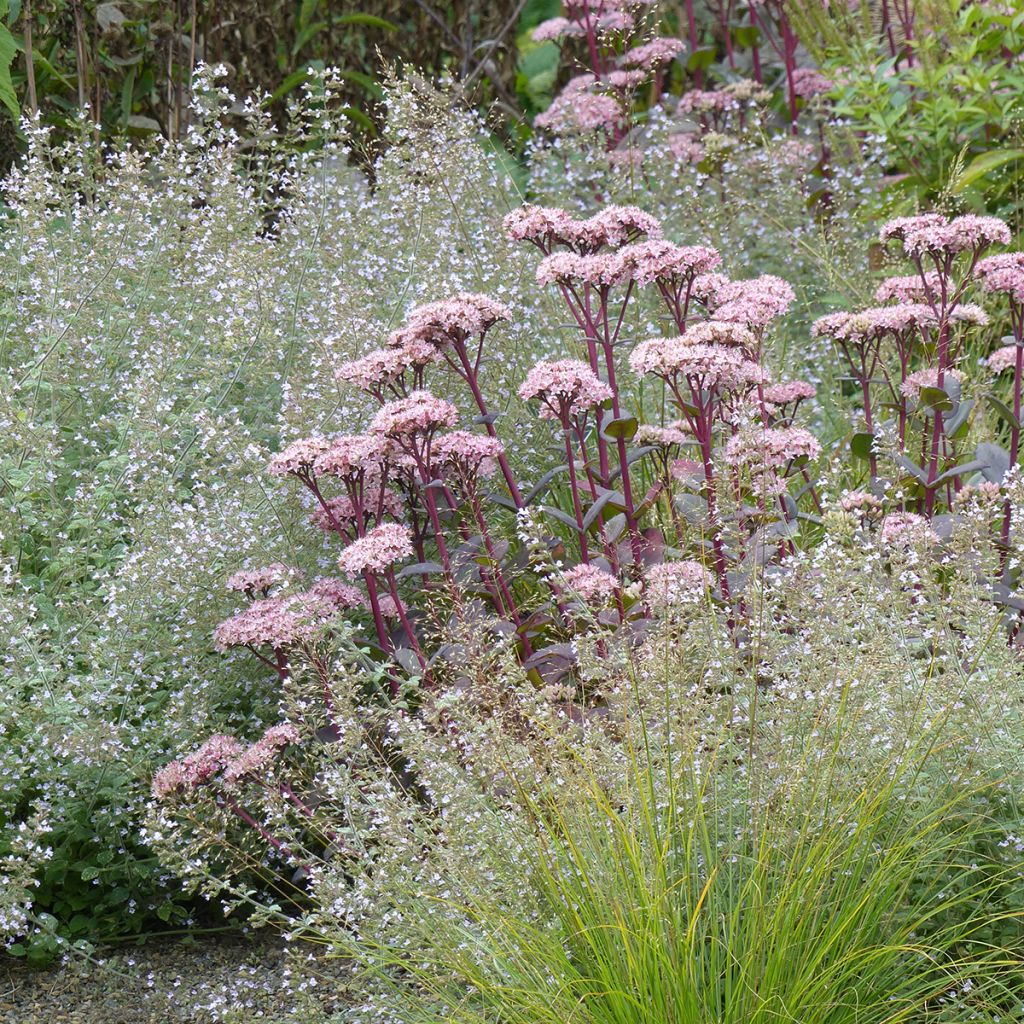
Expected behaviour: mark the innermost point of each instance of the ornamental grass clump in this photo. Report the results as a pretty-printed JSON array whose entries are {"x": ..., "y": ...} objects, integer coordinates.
[{"x": 678, "y": 894}]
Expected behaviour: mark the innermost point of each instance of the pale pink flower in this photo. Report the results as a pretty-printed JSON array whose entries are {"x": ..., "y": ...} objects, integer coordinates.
[
  {"x": 755, "y": 302},
  {"x": 459, "y": 317},
  {"x": 169, "y": 779},
  {"x": 335, "y": 592},
  {"x": 615, "y": 21},
  {"x": 276, "y": 622},
  {"x": 542, "y": 225},
  {"x": 1003, "y": 274},
  {"x": 706, "y": 366},
  {"x": 626, "y": 79},
  {"x": 259, "y": 581},
  {"x": 1004, "y": 358},
  {"x": 661, "y": 260},
  {"x": 704, "y": 101},
  {"x": 670, "y": 584},
  {"x": 378, "y": 369},
  {"x": 860, "y": 501},
  {"x": 591, "y": 584},
  {"x": 594, "y": 268},
  {"x": 898, "y": 227},
  {"x": 808, "y": 83},
  {"x": 771, "y": 447},
  {"x": 660, "y": 437},
  {"x": 299, "y": 456},
  {"x": 927, "y": 378},
  {"x": 257, "y": 757},
  {"x": 556, "y": 28},
  {"x": 720, "y": 332},
  {"x": 711, "y": 288},
  {"x": 935, "y": 234},
  {"x": 790, "y": 391},
  {"x": 650, "y": 55},
  {"x": 905, "y": 529},
  {"x": 614, "y": 226},
  {"x": 908, "y": 288},
  {"x": 580, "y": 112},
  {"x": 472, "y": 454},
  {"x": 198, "y": 768},
  {"x": 420, "y": 413},
  {"x": 875, "y": 322},
  {"x": 353, "y": 456},
  {"x": 566, "y": 387},
  {"x": 380, "y": 549},
  {"x": 686, "y": 147}
]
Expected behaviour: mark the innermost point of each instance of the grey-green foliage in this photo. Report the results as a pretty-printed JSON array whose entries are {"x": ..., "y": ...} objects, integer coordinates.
[{"x": 167, "y": 317}]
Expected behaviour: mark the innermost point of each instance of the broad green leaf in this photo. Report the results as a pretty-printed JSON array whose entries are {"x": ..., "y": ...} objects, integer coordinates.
[
  {"x": 860, "y": 445},
  {"x": 8, "y": 51},
  {"x": 984, "y": 164}
]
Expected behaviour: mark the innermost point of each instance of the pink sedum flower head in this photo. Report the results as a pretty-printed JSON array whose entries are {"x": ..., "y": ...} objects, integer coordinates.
[
  {"x": 298, "y": 457},
  {"x": 382, "y": 367},
  {"x": 899, "y": 227},
  {"x": 198, "y": 768},
  {"x": 651, "y": 55},
  {"x": 626, "y": 79},
  {"x": 756, "y": 302},
  {"x": 1004, "y": 358},
  {"x": 860, "y": 501},
  {"x": 808, "y": 83},
  {"x": 277, "y": 622},
  {"x": 580, "y": 112},
  {"x": 543, "y": 225},
  {"x": 353, "y": 456},
  {"x": 614, "y": 226},
  {"x": 566, "y": 387},
  {"x": 905, "y": 529},
  {"x": 556, "y": 28},
  {"x": 928, "y": 378},
  {"x": 771, "y": 447},
  {"x": 597, "y": 269},
  {"x": 593, "y": 585},
  {"x": 378, "y": 551},
  {"x": 789, "y": 393},
  {"x": 259, "y": 581},
  {"x": 172, "y": 778},
  {"x": 660, "y": 437},
  {"x": 686, "y": 147},
  {"x": 254, "y": 761},
  {"x": 876, "y": 322},
  {"x": 671, "y": 584},
  {"x": 335, "y": 592},
  {"x": 459, "y": 317},
  {"x": 933, "y": 234},
  {"x": 420, "y": 413},
  {"x": 909, "y": 287},
  {"x": 472, "y": 454},
  {"x": 731, "y": 334},
  {"x": 660, "y": 260},
  {"x": 1003, "y": 274},
  {"x": 706, "y": 366},
  {"x": 707, "y": 101}
]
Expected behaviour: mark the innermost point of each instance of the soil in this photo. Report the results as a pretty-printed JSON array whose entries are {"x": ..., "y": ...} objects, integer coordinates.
[{"x": 207, "y": 981}]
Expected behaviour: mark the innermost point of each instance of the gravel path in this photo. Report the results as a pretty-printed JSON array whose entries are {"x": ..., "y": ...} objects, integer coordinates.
[{"x": 223, "y": 981}]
